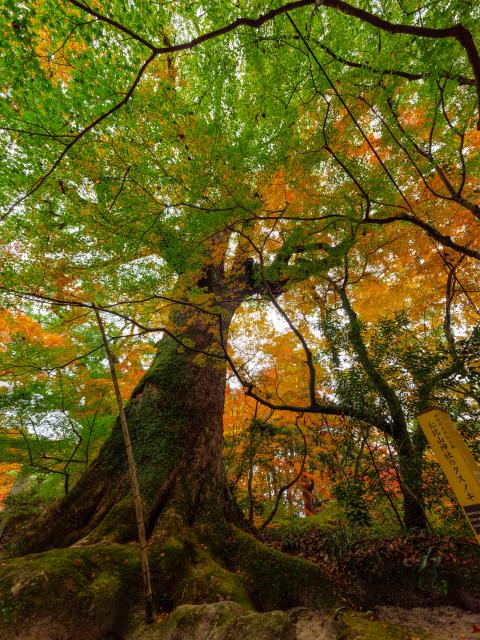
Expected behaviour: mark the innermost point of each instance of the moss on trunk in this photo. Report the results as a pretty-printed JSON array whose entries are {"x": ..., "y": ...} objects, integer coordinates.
[{"x": 175, "y": 418}]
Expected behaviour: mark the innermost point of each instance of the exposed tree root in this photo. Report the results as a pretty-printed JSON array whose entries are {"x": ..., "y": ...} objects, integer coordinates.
[
  {"x": 94, "y": 591},
  {"x": 222, "y": 620}
]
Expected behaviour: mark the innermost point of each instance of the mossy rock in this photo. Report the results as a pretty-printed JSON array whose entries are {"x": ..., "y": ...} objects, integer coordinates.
[
  {"x": 78, "y": 592},
  {"x": 225, "y": 621}
]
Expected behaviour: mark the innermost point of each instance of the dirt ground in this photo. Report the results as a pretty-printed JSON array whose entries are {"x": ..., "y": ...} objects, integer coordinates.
[
  {"x": 442, "y": 623},
  {"x": 389, "y": 623}
]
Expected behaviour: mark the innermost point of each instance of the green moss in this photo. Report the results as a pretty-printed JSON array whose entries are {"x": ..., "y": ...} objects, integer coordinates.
[
  {"x": 169, "y": 562},
  {"x": 185, "y": 571},
  {"x": 166, "y": 369},
  {"x": 157, "y": 417},
  {"x": 358, "y": 626},
  {"x": 119, "y": 526},
  {"x": 274, "y": 579},
  {"x": 68, "y": 586},
  {"x": 208, "y": 581},
  {"x": 225, "y": 621}
]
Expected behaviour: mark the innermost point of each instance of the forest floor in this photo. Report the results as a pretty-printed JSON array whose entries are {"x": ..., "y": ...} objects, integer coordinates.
[
  {"x": 443, "y": 623},
  {"x": 416, "y": 586},
  {"x": 390, "y": 623}
]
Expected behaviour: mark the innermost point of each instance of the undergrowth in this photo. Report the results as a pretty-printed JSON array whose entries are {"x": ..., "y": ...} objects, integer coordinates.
[{"x": 391, "y": 566}]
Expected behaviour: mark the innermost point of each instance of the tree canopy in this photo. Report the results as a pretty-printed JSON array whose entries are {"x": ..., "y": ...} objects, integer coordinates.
[
  {"x": 132, "y": 135},
  {"x": 336, "y": 146}
]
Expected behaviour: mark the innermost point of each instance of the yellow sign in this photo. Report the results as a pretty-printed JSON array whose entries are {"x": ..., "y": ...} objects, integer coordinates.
[{"x": 456, "y": 460}]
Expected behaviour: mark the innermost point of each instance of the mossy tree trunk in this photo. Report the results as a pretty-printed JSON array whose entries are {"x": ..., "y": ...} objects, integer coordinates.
[{"x": 175, "y": 418}]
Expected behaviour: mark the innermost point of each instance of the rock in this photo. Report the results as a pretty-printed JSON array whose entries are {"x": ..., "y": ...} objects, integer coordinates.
[
  {"x": 295, "y": 612},
  {"x": 315, "y": 625},
  {"x": 225, "y": 621}
]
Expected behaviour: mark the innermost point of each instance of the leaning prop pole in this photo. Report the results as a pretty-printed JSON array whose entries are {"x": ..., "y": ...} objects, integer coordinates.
[{"x": 147, "y": 583}]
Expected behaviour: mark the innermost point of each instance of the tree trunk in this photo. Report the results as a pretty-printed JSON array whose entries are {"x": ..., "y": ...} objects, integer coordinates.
[
  {"x": 410, "y": 466},
  {"x": 175, "y": 417}
]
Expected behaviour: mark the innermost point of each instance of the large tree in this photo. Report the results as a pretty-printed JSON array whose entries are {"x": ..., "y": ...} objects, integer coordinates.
[{"x": 163, "y": 165}]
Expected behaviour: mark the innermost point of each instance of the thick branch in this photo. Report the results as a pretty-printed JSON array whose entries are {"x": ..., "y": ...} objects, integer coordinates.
[
  {"x": 457, "y": 31},
  {"x": 407, "y": 75},
  {"x": 326, "y": 408},
  {"x": 444, "y": 240}
]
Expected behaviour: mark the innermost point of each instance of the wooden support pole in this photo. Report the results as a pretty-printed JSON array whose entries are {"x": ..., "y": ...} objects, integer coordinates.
[{"x": 137, "y": 499}]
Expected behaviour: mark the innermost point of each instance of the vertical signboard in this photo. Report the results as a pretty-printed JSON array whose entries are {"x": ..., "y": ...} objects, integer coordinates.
[{"x": 456, "y": 460}]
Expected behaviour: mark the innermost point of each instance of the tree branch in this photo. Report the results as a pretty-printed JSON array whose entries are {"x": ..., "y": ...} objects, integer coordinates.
[
  {"x": 79, "y": 136},
  {"x": 457, "y": 31}
]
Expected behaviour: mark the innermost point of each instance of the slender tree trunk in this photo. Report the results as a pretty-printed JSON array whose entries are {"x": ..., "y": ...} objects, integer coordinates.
[
  {"x": 409, "y": 459},
  {"x": 410, "y": 466}
]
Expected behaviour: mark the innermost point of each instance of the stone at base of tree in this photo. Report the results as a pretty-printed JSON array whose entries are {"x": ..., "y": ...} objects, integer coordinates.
[
  {"x": 317, "y": 625},
  {"x": 224, "y": 621}
]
